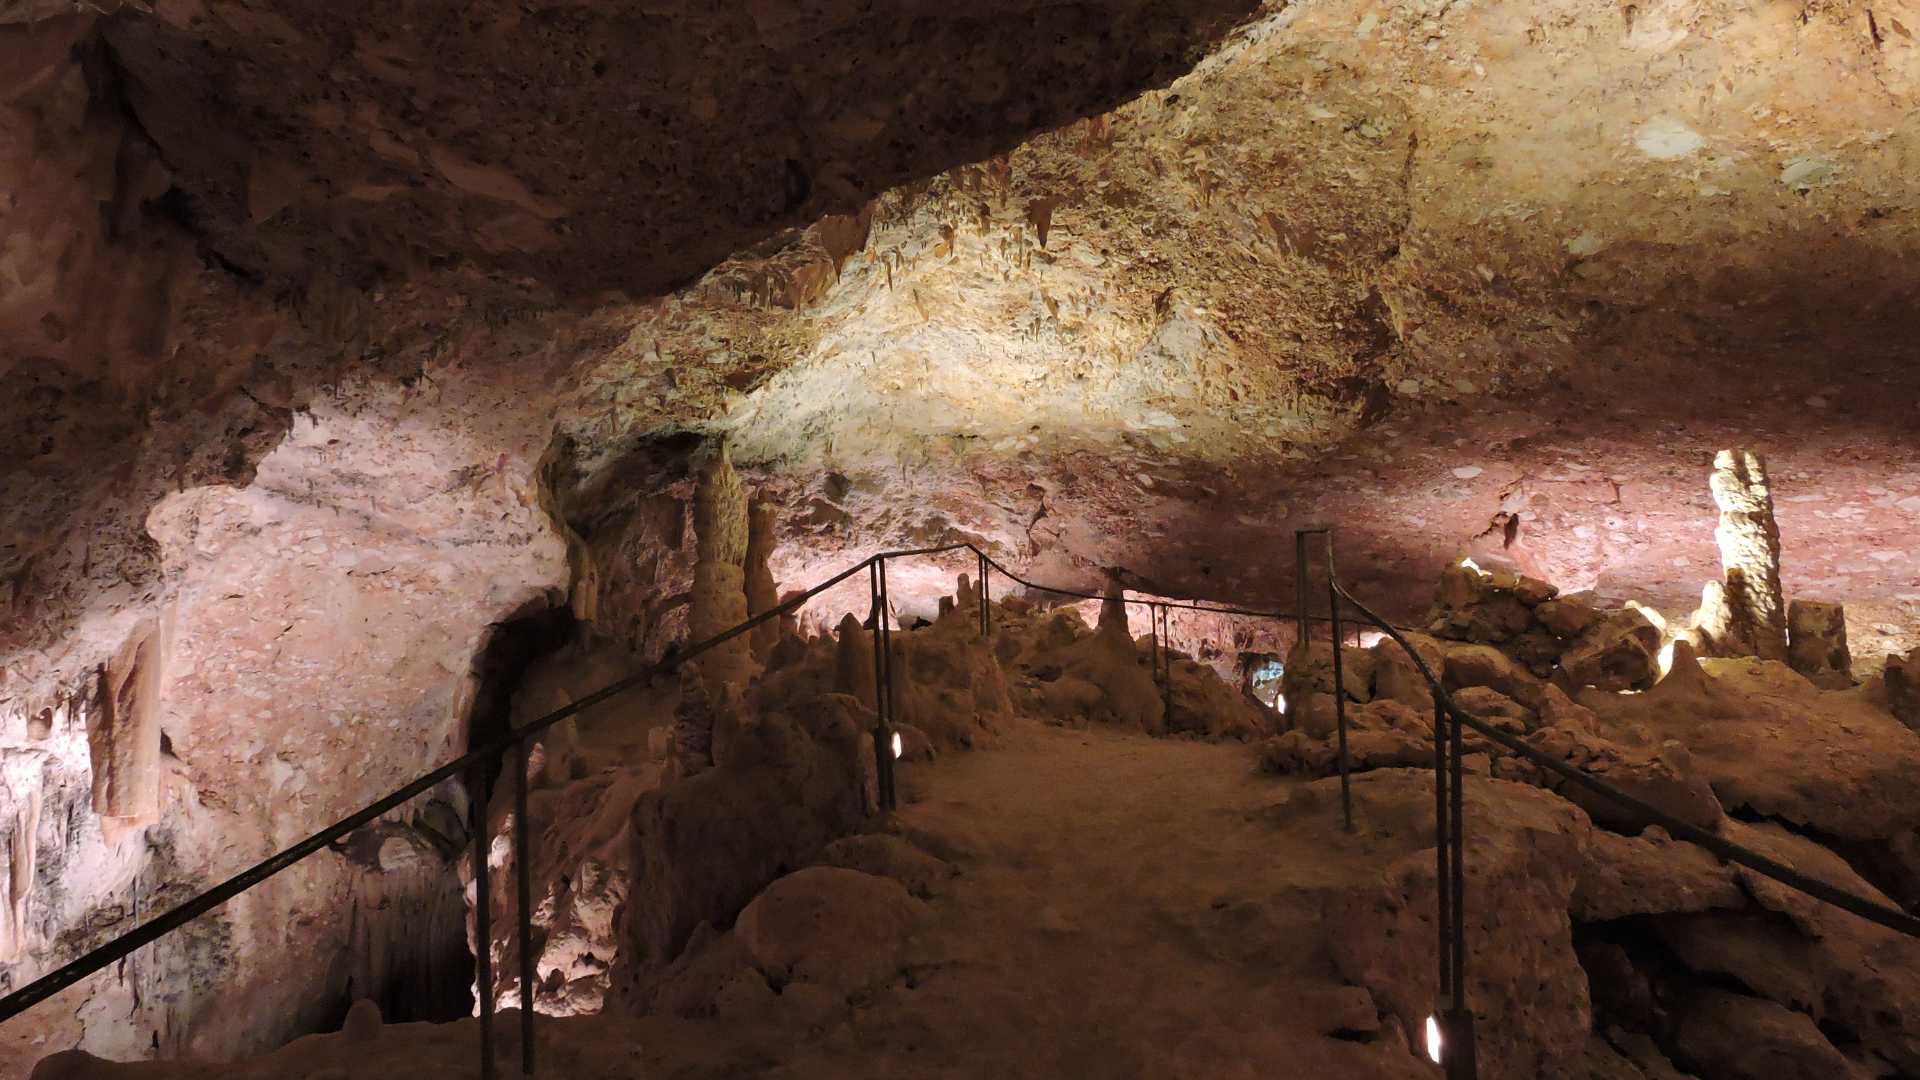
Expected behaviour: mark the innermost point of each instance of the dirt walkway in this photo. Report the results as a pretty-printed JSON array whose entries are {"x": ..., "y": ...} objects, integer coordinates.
[{"x": 1124, "y": 907}]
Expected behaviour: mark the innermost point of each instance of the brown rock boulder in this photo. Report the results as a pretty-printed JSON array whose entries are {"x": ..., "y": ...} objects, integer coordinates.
[
  {"x": 837, "y": 928},
  {"x": 1619, "y": 652},
  {"x": 1650, "y": 874},
  {"x": 1900, "y": 683},
  {"x": 1495, "y": 708},
  {"x": 1566, "y": 618},
  {"x": 1483, "y": 665},
  {"x": 1817, "y": 643},
  {"x": 1661, "y": 777},
  {"x": 1524, "y": 855},
  {"x": 891, "y": 857},
  {"x": 1727, "y": 1036},
  {"x": 1839, "y": 969}
]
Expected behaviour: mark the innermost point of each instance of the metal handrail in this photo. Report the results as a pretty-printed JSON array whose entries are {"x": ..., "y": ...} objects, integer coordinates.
[
  {"x": 1891, "y": 918},
  {"x": 496, "y": 750}
]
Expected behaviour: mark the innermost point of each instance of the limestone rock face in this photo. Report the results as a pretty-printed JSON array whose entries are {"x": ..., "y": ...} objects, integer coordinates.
[
  {"x": 837, "y": 928},
  {"x": 1900, "y": 682},
  {"x": 1738, "y": 1037},
  {"x": 1750, "y": 618},
  {"x": 703, "y": 847},
  {"x": 1620, "y": 652},
  {"x": 126, "y": 734},
  {"x": 1650, "y": 874},
  {"x": 1768, "y": 741},
  {"x": 1817, "y": 643},
  {"x": 1524, "y": 854},
  {"x": 1839, "y": 970}
]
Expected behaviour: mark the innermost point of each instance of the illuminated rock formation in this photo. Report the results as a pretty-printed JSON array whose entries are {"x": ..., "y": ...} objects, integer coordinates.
[
  {"x": 720, "y": 530},
  {"x": 1745, "y": 615}
]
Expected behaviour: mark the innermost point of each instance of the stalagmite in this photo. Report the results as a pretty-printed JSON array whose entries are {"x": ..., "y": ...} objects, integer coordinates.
[
  {"x": 692, "y": 724},
  {"x": 762, "y": 593},
  {"x": 1113, "y": 612},
  {"x": 124, "y": 738},
  {"x": 1746, "y": 616},
  {"x": 853, "y": 662},
  {"x": 719, "y": 574}
]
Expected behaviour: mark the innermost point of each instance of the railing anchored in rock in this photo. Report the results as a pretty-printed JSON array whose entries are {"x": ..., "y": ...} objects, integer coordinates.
[
  {"x": 1449, "y": 1034},
  {"x": 1450, "y": 1030}
]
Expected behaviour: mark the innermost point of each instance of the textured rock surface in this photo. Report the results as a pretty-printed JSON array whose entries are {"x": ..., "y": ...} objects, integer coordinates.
[
  {"x": 279, "y": 279},
  {"x": 1817, "y": 643},
  {"x": 1750, "y": 613},
  {"x": 1526, "y": 851}
]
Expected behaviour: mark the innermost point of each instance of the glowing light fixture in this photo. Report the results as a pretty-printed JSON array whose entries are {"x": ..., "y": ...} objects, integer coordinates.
[
  {"x": 1435, "y": 1044},
  {"x": 898, "y": 746}
]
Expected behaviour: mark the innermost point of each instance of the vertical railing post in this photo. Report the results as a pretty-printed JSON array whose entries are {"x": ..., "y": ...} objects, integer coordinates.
[
  {"x": 522, "y": 861},
  {"x": 1300, "y": 587},
  {"x": 1460, "y": 1054},
  {"x": 883, "y": 688},
  {"x": 986, "y": 601},
  {"x": 1443, "y": 856},
  {"x": 1457, "y": 820},
  {"x": 482, "y": 916},
  {"x": 1339, "y": 644}
]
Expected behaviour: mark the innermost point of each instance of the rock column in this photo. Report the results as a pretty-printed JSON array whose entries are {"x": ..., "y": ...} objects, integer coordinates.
[
  {"x": 719, "y": 572},
  {"x": 1749, "y": 616},
  {"x": 762, "y": 593},
  {"x": 853, "y": 662}
]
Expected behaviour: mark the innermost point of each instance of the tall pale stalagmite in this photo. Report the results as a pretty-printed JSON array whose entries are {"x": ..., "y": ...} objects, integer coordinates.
[
  {"x": 719, "y": 571},
  {"x": 1749, "y": 615},
  {"x": 762, "y": 593}
]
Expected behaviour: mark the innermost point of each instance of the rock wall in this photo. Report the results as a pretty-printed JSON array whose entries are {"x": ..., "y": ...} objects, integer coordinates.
[{"x": 1692, "y": 964}]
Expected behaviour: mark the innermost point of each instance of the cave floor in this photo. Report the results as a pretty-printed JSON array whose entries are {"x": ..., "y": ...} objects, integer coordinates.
[{"x": 1124, "y": 907}]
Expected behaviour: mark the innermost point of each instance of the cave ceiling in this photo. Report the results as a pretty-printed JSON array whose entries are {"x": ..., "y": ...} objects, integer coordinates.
[{"x": 1122, "y": 284}]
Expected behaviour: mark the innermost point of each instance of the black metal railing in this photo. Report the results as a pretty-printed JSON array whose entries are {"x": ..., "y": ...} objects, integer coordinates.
[
  {"x": 1454, "y": 1021},
  {"x": 478, "y": 767}
]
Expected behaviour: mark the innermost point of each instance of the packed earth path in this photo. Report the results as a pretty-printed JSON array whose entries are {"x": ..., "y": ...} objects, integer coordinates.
[{"x": 1114, "y": 905}]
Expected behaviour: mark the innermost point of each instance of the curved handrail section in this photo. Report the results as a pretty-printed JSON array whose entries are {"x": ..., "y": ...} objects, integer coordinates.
[
  {"x": 152, "y": 930},
  {"x": 1891, "y": 918}
]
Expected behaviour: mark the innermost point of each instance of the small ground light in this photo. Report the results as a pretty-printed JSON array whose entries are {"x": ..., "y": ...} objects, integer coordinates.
[
  {"x": 900, "y": 748},
  {"x": 1434, "y": 1042}
]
